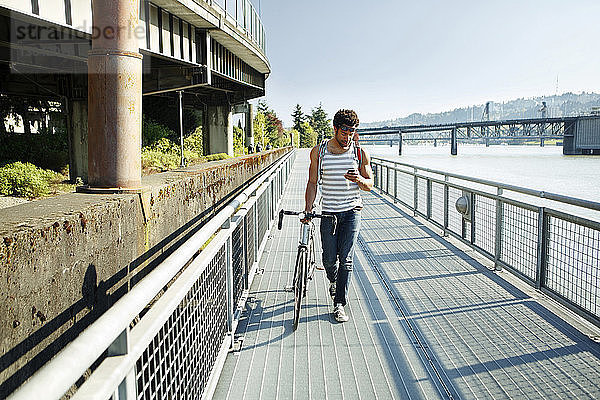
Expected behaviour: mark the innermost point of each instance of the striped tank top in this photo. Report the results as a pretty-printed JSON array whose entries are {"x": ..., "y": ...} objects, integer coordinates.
[{"x": 338, "y": 193}]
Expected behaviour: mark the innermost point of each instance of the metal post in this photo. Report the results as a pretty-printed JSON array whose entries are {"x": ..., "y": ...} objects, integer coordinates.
[
  {"x": 473, "y": 205},
  {"x": 498, "y": 238},
  {"x": 400, "y": 145},
  {"x": 453, "y": 142},
  {"x": 540, "y": 276},
  {"x": 395, "y": 183},
  {"x": 180, "y": 93},
  {"x": 446, "y": 194},
  {"x": 387, "y": 179},
  {"x": 429, "y": 198},
  {"x": 115, "y": 98},
  {"x": 415, "y": 191},
  {"x": 120, "y": 347},
  {"x": 541, "y": 141}
]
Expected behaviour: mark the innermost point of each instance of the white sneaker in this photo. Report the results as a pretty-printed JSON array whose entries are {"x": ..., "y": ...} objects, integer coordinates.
[{"x": 339, "y": 314}]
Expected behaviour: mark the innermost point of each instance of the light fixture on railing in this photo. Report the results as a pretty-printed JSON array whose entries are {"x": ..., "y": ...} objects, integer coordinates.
[{"x": 463, "y": 205}]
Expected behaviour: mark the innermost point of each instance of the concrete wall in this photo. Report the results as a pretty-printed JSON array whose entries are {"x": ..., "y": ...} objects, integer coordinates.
[
  {"x": 220, "y": 130},
  {"x": 64, "y": 260}
]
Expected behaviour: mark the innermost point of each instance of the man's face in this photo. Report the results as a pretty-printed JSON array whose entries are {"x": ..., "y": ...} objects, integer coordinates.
[{"x": 344, "y": 135}]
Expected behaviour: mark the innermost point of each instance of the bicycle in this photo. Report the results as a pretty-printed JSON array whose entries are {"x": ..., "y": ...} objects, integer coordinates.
[{"x": 305, "y": 258}]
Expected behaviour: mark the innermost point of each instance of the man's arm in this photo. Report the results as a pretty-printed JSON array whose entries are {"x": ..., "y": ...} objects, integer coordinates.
[
  {"x": 311, "y": 186},
  {"x": 365, "y": 180}
]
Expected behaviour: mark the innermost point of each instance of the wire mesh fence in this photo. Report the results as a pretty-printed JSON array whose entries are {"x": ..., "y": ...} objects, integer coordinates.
[
  {"x": 485, "y": 228},
  {"x": 438, "y": 203},
  {"x": 422, "y": 196},
  {"x": 520, "y": 239},
  {"x": 573, "y": 257},
  {"x": 262, "y": 215},
  {"x": 178, "y": 361},
  {"x": 238, "y": 264},
  {"x": 555, "y": 251},
  {"x": 405, "y": 191},
  {"x": 250, "y": 237}
]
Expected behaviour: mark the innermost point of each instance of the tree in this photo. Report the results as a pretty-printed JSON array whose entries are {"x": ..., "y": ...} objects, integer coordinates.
[
  {"x": 320, "y": 123},
  {"x": 262, "y": 107},
  {"x": 308, "y": 137},
  {"x": 294, "y": 136},
  {"x": 259, "y": 129},
  {"x": 298, "y": 117},
  {"x": 273, "y": 127}
]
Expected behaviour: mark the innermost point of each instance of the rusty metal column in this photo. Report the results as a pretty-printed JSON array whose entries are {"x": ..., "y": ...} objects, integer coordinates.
[{"x": 115, "y": 97}]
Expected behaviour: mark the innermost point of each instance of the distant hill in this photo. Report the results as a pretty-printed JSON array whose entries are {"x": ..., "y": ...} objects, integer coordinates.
[{"x": 564, "y": 105}]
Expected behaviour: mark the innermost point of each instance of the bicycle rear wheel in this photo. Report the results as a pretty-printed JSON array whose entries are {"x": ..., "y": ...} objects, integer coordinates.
[{"x": 299, "y": 281}]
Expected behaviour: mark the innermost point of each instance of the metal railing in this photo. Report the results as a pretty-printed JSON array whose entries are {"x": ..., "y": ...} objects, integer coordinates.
[
  {"x": 173, "y": 345},
  {"x": 556, "y": 251},
  {"x": 243, "y": 14}
]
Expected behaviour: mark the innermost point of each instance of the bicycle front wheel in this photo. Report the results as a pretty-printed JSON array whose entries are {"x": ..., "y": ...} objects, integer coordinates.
[{"x": 299, "y": 281}]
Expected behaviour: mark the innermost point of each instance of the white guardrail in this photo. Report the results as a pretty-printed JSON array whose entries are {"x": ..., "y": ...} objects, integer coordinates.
[{"x": 178, "y": 347}]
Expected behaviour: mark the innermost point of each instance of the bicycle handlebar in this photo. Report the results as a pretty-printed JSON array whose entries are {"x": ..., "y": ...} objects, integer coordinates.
[{"x": 308, "y": 215}]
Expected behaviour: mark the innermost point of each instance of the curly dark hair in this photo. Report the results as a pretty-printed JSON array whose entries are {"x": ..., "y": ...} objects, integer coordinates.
[{"x": 345, "y": 117}]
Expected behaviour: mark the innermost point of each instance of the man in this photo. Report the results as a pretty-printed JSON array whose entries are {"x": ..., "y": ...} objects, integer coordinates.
[{"x": 343, "y": 171}]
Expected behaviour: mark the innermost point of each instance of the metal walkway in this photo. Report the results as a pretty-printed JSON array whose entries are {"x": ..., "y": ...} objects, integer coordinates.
[{"x": 426, "y": 321}]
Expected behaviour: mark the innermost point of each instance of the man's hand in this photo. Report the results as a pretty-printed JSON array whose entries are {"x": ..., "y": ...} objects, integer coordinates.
[
  {"x": 352, "y": 175},
  {"x": 304, "y": 219}
]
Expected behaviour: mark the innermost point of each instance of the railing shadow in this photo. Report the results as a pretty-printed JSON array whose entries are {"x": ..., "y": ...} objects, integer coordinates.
[
  {"x": 257, "y": 317},
  {"x": 575, "y": 342}
]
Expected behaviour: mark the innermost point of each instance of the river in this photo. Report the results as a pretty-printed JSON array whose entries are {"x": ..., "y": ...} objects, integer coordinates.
[{"x": 540, "y": 168}]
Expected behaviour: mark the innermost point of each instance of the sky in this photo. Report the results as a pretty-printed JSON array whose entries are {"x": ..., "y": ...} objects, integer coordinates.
[{"x": 391, "y": 58}]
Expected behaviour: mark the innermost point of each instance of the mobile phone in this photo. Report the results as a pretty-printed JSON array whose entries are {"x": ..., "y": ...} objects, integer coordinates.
[{"x": 352, "y": 171}]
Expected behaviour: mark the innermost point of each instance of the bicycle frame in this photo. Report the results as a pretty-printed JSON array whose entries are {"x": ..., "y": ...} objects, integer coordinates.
[{"x": 305, "y": 258}]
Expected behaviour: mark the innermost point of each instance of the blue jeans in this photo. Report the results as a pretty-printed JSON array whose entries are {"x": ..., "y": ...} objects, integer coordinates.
[{"x": 340, "y": 248}]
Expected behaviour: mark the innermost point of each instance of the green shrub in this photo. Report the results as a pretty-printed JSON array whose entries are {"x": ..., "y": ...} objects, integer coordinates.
[
  {"x": 194, "y": 142},
  {"x": 153, "y": 132},
  {"x": 218, "y": 156},
  {"x": 25, "y": 180},
  {"x": 46, "y": 150},
  {"x": 164, "y": 155},
  {"x": 159, "y": 161}
]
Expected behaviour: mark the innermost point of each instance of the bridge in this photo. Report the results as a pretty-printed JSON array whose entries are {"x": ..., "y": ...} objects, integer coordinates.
[
  {"x": 205, "y": 54},
  {"x": 496, "y": 298},
  {"x": 579, "y": 135}
]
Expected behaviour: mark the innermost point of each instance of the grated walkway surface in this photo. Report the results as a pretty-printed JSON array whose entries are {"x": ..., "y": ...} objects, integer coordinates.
[{"x": 426, "y": 322}]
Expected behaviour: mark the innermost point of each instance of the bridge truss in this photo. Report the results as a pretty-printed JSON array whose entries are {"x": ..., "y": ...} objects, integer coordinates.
[{"x": 506, "y": 130}]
